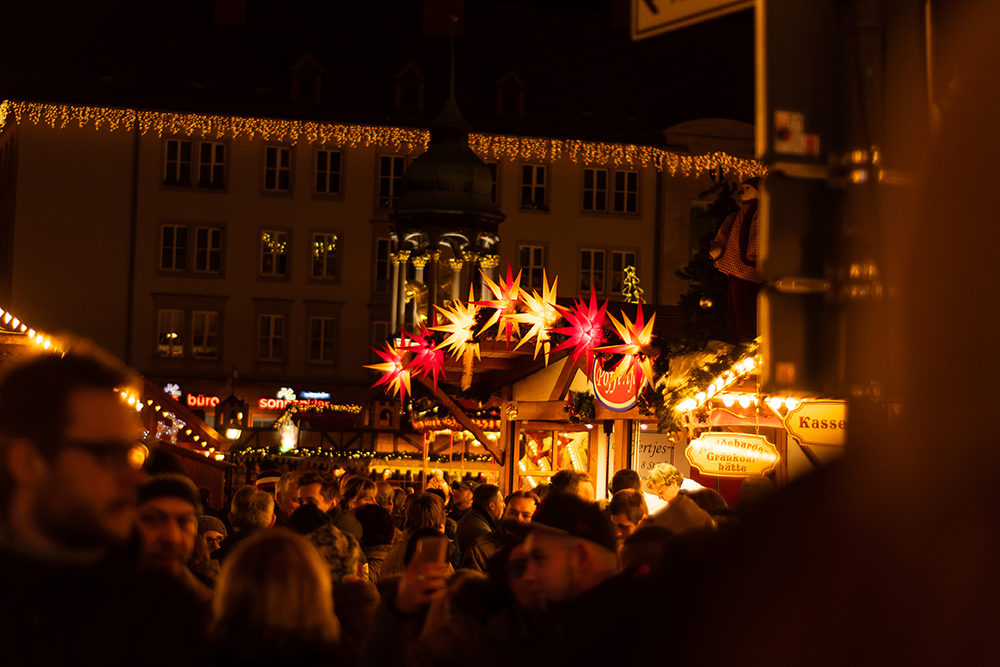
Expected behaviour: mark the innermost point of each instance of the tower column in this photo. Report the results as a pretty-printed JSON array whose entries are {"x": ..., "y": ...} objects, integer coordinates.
[{"x": 404, "y": 256}]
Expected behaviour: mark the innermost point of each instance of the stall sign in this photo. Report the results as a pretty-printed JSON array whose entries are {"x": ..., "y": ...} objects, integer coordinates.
[
  {"x": 731, "y": 454},
  {"x": 616, "y": 394},
  {"x": 201, "y": 401},
  {"x": 818, "y": 422},
  {"x": 315, "y": 394},
  {"x": 282, "y": 404},
  {"x": 653, "y": 448}
]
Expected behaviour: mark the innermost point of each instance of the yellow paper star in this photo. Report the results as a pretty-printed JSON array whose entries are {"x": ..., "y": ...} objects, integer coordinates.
[
  {"x": 461, "y": 322},
  {"x": 540, "y": 312}
]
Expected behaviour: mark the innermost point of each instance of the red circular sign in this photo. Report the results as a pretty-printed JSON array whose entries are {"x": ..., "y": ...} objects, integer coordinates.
[{"x": 619, "y": 394}]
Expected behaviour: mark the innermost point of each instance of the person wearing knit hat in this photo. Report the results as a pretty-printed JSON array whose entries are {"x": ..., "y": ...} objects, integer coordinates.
[
  {"x": 211, "y": 532},
  {"x": 167, "y": 514},
  {"x": 268, "y": 477},
  {"x": 167, "y": 520},
  {"x": 735, "y": 250}
]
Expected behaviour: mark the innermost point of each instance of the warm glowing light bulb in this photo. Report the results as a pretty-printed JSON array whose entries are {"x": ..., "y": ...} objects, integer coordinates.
[
  {"x": 701, "y": 396},
  {"x": 744, "y": 401},
  {"x": 791, "y": 403},
  {"x": 775, "y": 402},
  {"x": 728, "y": 400}
]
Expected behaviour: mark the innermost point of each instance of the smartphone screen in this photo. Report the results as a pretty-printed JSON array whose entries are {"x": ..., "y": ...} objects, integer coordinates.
[{"x": 431, "y": 549}]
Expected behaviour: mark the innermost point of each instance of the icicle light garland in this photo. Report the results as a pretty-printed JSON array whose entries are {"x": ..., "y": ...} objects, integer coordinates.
[
  {"x": 487, "y": 146},
  {"x": 359, "y": 455}
]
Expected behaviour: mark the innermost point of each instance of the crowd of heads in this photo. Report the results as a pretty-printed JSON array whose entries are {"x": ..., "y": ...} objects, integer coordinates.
[{"x": 270, "y": 563}]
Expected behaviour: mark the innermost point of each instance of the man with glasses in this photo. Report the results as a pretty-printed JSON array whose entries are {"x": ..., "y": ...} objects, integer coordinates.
[{"x": 70, "y": 469}]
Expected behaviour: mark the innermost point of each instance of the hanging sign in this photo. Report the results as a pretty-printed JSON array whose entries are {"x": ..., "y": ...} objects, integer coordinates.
[
  {"x": 731, "y": 454},
  {"x": 652, "y": 17},
  {"x": 653, "y": 448},
  {"x": 617, "y": 395},
  {"x": 818, "y": 423}
]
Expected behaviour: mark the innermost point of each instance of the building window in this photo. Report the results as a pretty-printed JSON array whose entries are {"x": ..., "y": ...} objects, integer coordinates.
[
  {"x": 178, "y": 167},
  {"x": 273, "y": 253},
  {"x": 322, "y": 339},
  {"x": 620, "y": 259},
  {"x": 532, "y": 266},
  {"x": 307, "y": 78},
  {"x": 495, "y": 173},
  {"x": 208, "y": 249},
  {"x": 626, "y": 195},
  {"x": 173, "y": 248},
  {"x": 390, "y": 180},
  {"x": 326, "y": 256},
  {"x": 212, "y": 164},
  {"x": 179, "y": 164},
  {"x": 410, "y": 89},
  {"x": 383, "y": 267},
  {"x": 595, "y": 190},
  {"x": 592, "y": 271},
  {"x": 170, "y": 333},
  {"x": 277, "y": 169},
  {"x": 205, "y": 334},
  {"x": 510, "y": 96},
  {"x": 533, "y": 187},
  {"x": 328, "y": 172},
  {"x": 271, "y": 338}
]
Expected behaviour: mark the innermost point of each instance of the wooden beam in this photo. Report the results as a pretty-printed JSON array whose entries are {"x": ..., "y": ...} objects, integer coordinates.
[
  {"x": 565, "y": 427},
  {"x": 463, "y": 419},
  {"x": 565, "y": 379}
]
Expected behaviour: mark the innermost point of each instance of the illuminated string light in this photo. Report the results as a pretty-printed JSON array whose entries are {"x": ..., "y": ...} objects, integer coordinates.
[{"x": 487, "y": 146}]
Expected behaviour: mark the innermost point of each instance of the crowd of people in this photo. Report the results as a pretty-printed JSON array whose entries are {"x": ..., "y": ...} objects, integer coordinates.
[{"x": 110, "y": 554}]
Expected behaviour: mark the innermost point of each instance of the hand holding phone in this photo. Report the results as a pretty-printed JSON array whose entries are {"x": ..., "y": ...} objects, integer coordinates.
[{"x": 431, "y": 549}]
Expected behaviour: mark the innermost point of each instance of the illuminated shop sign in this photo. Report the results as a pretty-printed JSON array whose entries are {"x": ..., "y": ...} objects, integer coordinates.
[
  {"x": 201, "y": 401},
  {"x": 320, "y": 395},
  {"x": 285, "y": 397},
  {"x": 731, "y": 454},
  {"x": 282, "y": 404},
  {"x": 818, "y": 423}
]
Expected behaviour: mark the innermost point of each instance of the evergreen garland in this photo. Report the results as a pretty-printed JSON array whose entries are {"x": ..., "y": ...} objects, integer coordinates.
[{"x": 580, "y": 406}]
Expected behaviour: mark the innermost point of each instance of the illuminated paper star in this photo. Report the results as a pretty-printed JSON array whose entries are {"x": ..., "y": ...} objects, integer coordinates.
[
  {"x": 636, "y": 348},
  {"x": 461, "y": 321},
  {"x": 504, "y": 303},
  {"x": 540, "y": 312},
  {"x": 395, "y": 376},
  {"x": 585, "y": 330},
  {"x": 427, "y": 357}
]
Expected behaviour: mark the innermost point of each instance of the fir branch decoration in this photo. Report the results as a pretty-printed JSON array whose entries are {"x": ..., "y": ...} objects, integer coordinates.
[{"x": 580, "y": 406}]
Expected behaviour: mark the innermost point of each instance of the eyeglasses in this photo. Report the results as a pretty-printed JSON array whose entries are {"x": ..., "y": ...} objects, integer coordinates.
[{"x": 111, "y": 453}]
